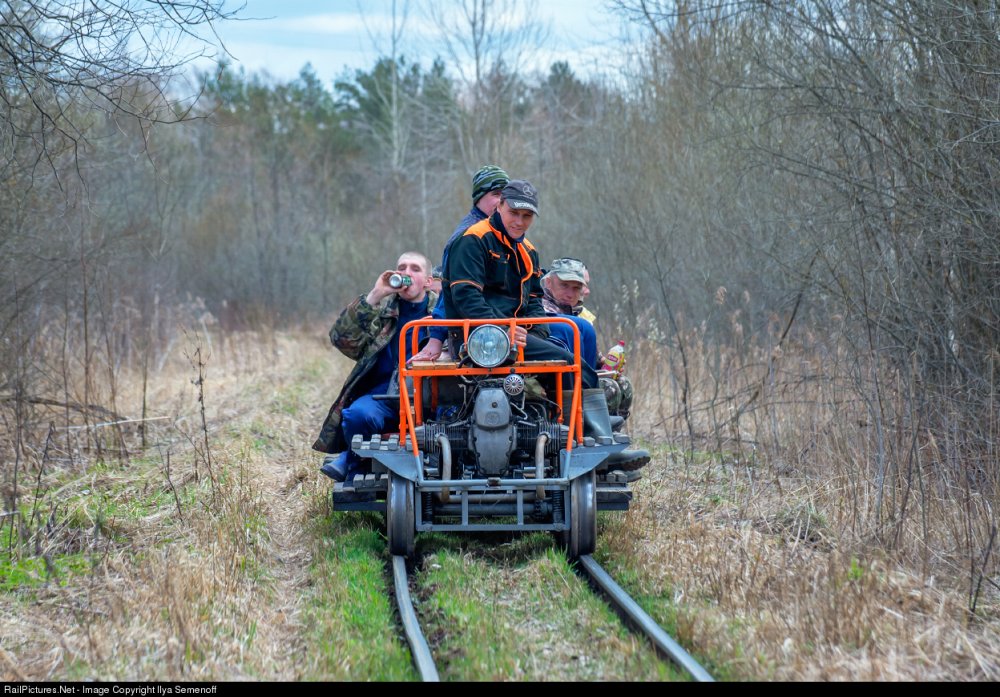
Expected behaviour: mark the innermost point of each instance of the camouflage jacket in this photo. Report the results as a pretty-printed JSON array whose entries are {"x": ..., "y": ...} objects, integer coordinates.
[
  {"x": 360, "y": 333},
  {"x": 553, "y": 307}
]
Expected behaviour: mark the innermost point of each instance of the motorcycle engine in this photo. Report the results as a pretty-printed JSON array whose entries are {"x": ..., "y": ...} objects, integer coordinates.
[{"x": 493, "y": 435}]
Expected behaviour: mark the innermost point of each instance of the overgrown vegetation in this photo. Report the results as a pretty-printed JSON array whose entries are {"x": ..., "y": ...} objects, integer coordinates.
[
  {"x": 755, "y": 565},
  {"x": 789, "y": 214},
  {"x": 352, "y": 626}
]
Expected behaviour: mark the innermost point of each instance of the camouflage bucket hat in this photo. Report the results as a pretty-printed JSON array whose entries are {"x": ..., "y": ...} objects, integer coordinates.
[
  {"x": 569, "y": 269},
  {"x": 489, "y": 178}
]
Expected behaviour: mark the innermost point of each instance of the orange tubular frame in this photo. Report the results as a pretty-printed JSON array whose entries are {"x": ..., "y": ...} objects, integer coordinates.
[{"x": 408, "y": 422}]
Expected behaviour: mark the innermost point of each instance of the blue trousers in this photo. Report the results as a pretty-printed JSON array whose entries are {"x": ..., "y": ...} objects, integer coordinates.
[
  {"x": 562, "y": 335},
  {"x": 546, "y": 350},
  {"x": 366, "y": 416}
]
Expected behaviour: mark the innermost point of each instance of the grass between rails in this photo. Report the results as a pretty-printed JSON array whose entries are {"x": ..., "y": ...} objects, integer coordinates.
[
  {"x": 501, "y": 608},
  {"x": 493, "y": 607}
]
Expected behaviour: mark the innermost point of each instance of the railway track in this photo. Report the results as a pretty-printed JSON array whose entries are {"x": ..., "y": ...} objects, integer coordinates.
[
  {"x": 636, "y": 619},
  {"x": 640, "y": 620},
  {"x": 422, "y": 658}
]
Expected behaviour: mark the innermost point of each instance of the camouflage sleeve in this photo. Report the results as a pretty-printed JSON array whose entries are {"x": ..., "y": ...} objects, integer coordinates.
[{"x": 356, "y": 327}]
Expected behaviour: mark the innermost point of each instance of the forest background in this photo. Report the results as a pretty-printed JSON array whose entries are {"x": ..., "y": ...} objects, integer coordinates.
[{"x": 789, "y": 210}]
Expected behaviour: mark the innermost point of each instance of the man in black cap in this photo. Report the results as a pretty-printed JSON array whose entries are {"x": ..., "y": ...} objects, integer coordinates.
[
  {"x": 493, "y": 273},
  {"x": 486, "y": 186}
]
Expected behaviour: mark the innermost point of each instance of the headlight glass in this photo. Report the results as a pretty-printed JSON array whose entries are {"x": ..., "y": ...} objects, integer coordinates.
[{"x": 488, "y": 346}]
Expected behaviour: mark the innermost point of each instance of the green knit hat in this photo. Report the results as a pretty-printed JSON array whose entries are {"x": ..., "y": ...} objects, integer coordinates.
[{"x": 489, "y": 178}]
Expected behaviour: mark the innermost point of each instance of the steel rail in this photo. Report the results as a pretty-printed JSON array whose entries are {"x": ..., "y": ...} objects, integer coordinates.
[
  {"x": 641, "y": 619},
  {"x": 422, "y": 658}
]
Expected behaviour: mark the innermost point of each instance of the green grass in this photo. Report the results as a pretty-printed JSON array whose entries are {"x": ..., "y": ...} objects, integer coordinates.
[
  {"x": 497, "y": 607},
  {"x": 115, "y": 509},
  {"x": 107, "y": 500},
  {"x": 493, "y": 607},
  {"x": 23, "y": 573},
  {"x": 290, "y": 400},
  {"x": 315, "y": 370},
  {"x": 352, "y": 626}
]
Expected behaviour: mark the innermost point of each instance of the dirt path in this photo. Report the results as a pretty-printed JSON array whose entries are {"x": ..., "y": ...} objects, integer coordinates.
[
  {"x": 286, "y": 475},
  {"x": 282, "y": 620}
]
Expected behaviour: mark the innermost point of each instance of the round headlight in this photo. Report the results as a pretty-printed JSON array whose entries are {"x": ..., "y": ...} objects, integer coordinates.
[{"x": 488, "y": 346}]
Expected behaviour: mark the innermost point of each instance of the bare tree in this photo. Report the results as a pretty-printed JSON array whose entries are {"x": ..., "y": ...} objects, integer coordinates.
[
  {"x": 57, "y": 56},
  {"x": 394, "y": 135},
  {"x": 489, "y": 44},
  {"x": 863, "y": 136}
]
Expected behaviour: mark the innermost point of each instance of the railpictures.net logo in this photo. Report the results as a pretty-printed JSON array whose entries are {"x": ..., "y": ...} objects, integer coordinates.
[{"x": 104, "y": 690}]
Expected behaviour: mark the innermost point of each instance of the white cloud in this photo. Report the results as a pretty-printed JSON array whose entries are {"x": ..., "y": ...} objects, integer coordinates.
[
  {"x": 353, "y": 24},
  {"x": 335, "y": 34}
]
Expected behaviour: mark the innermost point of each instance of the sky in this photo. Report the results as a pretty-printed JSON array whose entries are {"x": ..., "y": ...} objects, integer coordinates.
[{"x": 281, "y": 36}]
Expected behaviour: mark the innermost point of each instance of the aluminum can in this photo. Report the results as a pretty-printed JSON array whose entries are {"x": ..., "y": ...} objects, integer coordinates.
[{"x": 398, "y": 280}]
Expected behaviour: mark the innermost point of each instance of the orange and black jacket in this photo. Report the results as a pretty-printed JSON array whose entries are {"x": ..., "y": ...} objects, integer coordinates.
[{"x": 490, "y": 276}]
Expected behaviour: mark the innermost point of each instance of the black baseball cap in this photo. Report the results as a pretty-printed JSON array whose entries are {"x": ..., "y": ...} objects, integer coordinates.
[{"x": 520, "y": 194}]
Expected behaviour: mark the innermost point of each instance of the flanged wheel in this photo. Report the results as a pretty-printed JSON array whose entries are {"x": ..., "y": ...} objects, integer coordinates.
[
  {"x": 400, "y": 517},
  {"x": 581, "y": 538}
]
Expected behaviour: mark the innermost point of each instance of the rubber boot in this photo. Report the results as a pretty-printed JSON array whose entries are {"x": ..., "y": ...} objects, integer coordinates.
[
  {"x": 597, "y": 422},
  {"x": 335, "y": 466}
]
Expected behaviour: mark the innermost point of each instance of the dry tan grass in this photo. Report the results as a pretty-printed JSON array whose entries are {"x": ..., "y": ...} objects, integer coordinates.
[
  {"x": 214, "y": 592},
  {"x": 777, "y": 600},
  {"x": 771, "y": 538}
]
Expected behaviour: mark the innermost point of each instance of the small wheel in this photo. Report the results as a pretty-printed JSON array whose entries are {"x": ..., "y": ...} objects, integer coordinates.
[
  {"x": 581, "y": 538},
  {"x": 400, "y": 517}
]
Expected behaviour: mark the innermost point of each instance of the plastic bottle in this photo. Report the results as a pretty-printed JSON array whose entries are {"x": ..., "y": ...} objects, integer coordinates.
[
  {"x": 398, "y": 280},
  {"x": 614, "y": 359}
]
